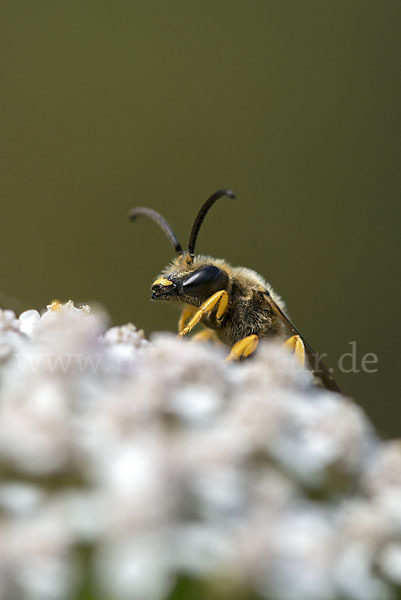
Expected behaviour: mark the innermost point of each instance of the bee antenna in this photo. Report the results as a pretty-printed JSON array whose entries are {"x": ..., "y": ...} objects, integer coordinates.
[
  {"x": 161, "y": 221},
  {"x": 202, "y": 214}
]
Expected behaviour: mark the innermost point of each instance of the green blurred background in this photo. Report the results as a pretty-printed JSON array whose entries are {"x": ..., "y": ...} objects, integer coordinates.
[{"x": 293, "y": 104}]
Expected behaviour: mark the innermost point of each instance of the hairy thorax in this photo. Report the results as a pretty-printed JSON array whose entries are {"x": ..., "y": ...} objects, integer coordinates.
[{"x": 248, "y": 312}]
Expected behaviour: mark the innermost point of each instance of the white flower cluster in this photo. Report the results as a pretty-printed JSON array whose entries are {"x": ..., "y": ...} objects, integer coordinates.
[{"x": 128, "y": 466}]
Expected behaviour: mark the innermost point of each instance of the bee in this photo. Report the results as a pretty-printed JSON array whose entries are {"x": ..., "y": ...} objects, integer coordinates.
[{"x": 235, "y": 304}]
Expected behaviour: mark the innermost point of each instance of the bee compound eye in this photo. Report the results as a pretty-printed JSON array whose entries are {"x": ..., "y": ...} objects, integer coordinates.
[{"x": 201, "y": 280}]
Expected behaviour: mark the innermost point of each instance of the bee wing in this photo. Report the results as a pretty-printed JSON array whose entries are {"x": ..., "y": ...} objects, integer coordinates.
[{"x": 316, "y": 365}]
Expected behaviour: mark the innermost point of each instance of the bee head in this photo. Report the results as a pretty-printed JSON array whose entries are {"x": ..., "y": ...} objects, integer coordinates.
[
  {"x": 191, "y": 286},
  {"x": 187, "y": 279}
]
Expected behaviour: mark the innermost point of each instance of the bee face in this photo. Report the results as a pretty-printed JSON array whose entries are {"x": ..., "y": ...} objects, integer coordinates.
[{"x": 192, "y": 287}]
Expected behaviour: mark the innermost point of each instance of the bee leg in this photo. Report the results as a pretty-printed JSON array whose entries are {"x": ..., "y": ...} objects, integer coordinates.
[
  {"x": 187, "y": 312},
  {"x": 296, "y": 345},
  {"x": 219, "y": 298},
  {"x": 243, "y": 347},
  {"x": 205, "y": 335}
]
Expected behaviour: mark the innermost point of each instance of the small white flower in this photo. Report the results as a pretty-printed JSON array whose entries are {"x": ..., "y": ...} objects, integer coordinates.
[
  {"x": 28, "y": 321},
  {"x": 164, "y": 459}
]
